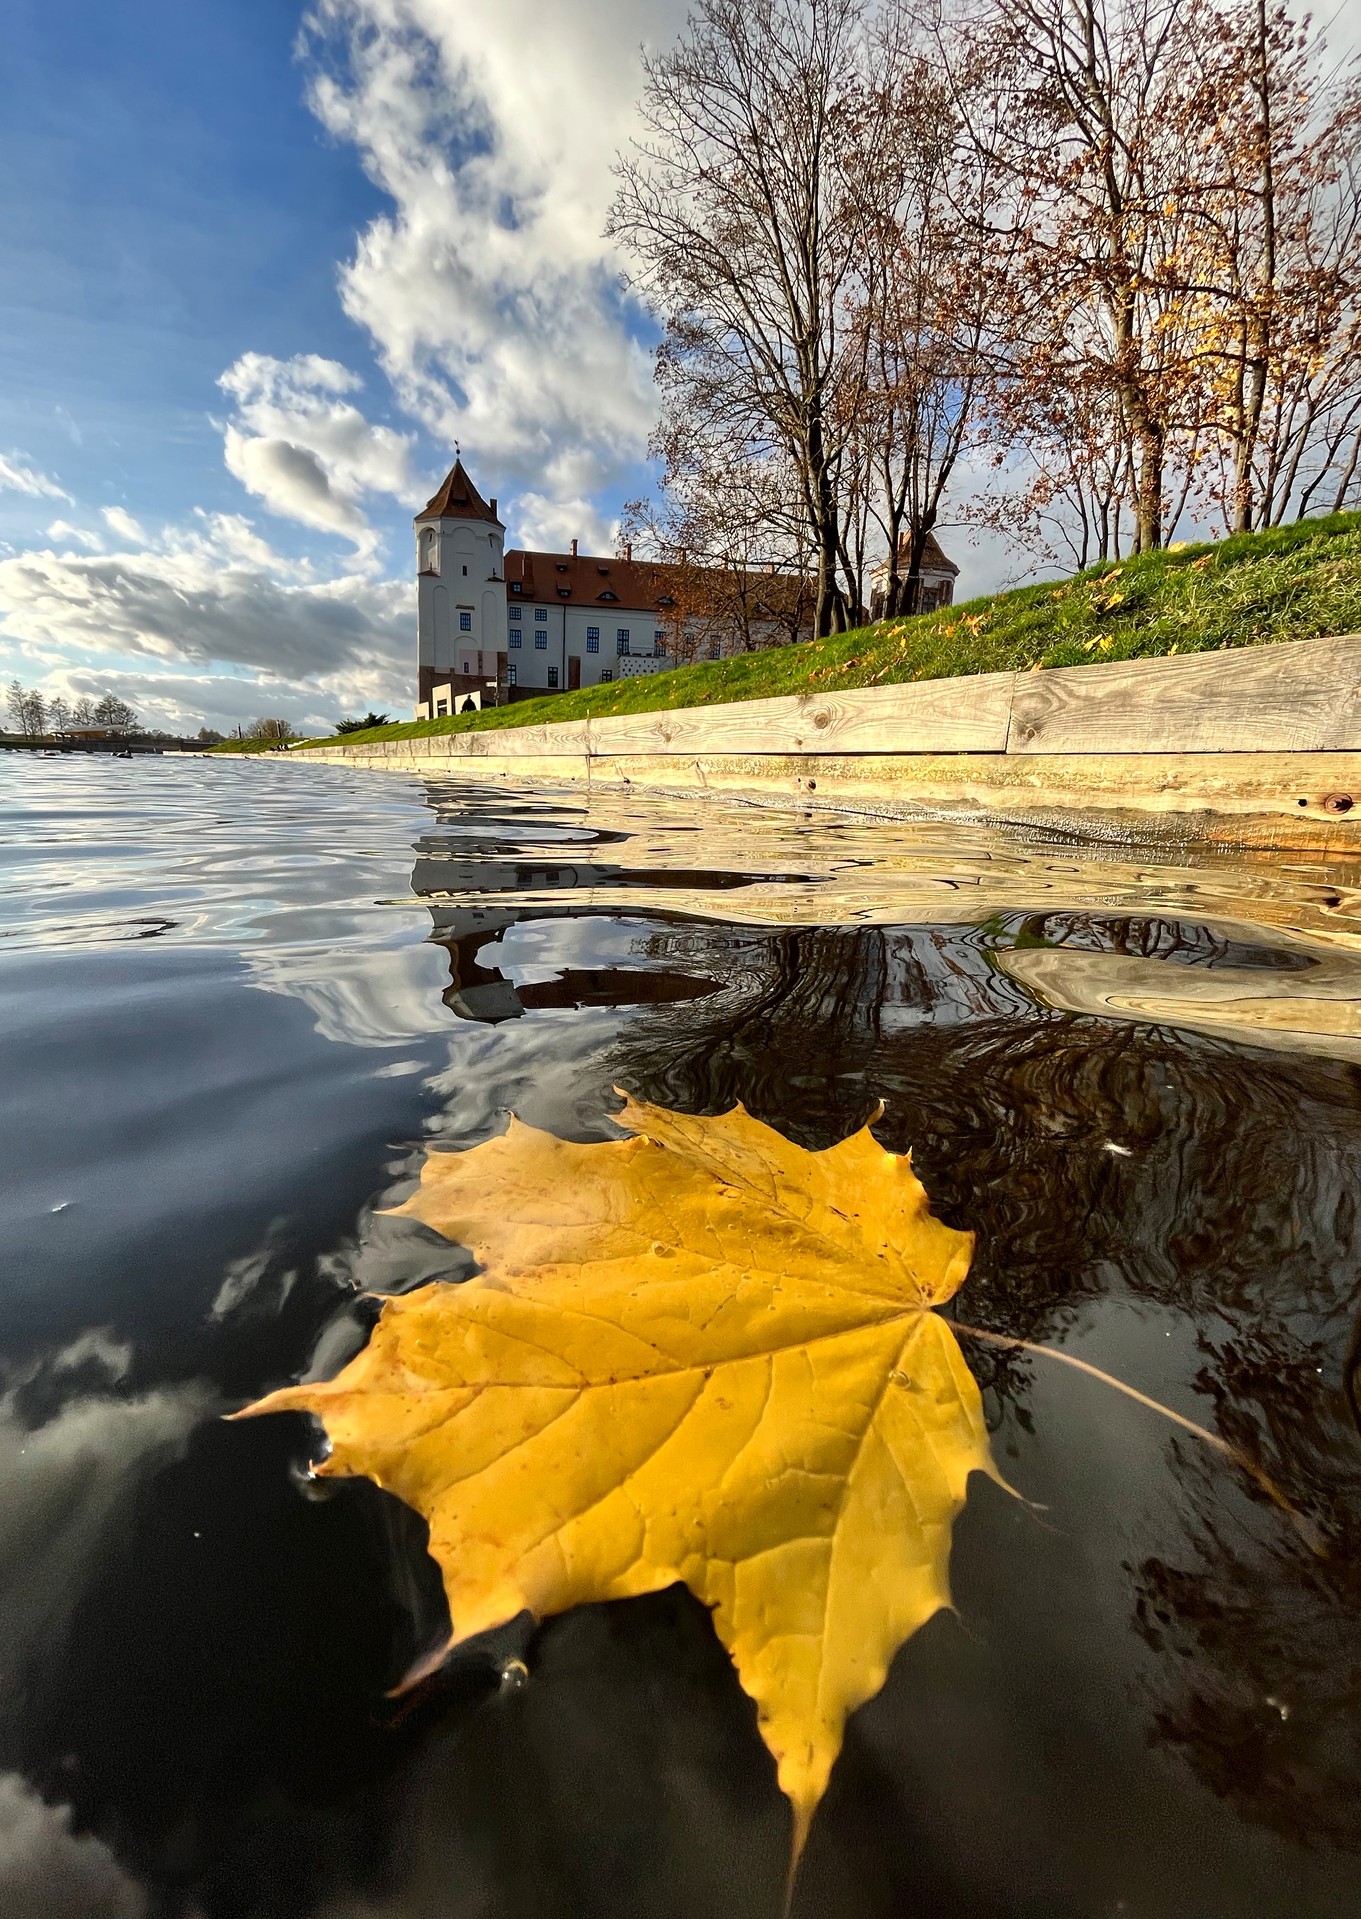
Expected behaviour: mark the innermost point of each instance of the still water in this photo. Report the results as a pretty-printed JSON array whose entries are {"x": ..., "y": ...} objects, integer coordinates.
[{"x": 242, "y": 1001}]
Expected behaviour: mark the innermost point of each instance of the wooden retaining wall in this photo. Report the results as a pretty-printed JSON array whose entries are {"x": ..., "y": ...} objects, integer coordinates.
[{"x": 1258, "y": 746}]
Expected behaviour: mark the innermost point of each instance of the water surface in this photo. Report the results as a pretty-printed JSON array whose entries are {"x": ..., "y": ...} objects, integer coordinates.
[{"x": 242, "y": 1001}]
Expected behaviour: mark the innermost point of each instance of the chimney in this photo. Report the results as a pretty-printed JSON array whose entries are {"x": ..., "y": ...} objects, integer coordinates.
[
  {"x": 574, "y": 549},
  {"x": 628, "y": 550},
  {"x": 494, "y": 513}
]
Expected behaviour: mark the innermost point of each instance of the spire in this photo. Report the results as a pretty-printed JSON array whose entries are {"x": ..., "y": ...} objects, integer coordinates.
[{"x": 459, "y": 499}]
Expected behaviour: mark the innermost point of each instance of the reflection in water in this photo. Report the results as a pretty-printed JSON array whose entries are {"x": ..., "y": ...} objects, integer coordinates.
[
  {"x": 1094, "y": 1157},
  {"x": 1316, "y": 1010},
  {"x": 1136, "y": 1082},
  {"x": 478, "y": 991}
]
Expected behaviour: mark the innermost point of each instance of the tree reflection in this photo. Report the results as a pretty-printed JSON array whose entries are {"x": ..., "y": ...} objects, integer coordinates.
[{"x": 1096, "y": 1158}]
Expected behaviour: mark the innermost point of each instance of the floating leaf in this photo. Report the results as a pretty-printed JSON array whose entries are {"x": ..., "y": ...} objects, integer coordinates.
[{"x": 700, "y": 1353}]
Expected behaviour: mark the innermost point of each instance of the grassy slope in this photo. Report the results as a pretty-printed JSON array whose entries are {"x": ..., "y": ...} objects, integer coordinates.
[{"x": 1293, "y": 583}]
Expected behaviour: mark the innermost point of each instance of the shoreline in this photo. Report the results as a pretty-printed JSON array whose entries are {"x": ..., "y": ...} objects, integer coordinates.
[{"x": 1255, "y": 748}]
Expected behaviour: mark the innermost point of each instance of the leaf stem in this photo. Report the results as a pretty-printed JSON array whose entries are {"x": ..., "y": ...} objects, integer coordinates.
[{"x": 1239, "y": 1459}]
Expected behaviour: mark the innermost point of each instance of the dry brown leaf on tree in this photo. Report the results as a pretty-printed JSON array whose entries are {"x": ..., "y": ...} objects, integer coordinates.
[{"x": 700, "y": 1353}]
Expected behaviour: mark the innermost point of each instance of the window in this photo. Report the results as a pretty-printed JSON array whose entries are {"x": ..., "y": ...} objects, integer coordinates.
[
  {"x": 465, "y": 622},
  {"x": 517, "y": 613},
  {"x": 715, "y": 651},
  {"x": 659, "y": 637},
  {"x": 608, "y": 596},
  {"x": 552, "y": 676},
  {"x": 441, "y": 706},
  {"x": 541, "y": 613},
  {"x": 514, "y": 637},
  {"x": 515, "y": 586},
  {"x": 606, "y": 675},
  {"x": 513, "y": 673},
  {"x": 465, "y": 572},
  {"x": 592, "y": 639},
  {"x": 541, "y": 640},
  {"x": 621, "y": 639}
]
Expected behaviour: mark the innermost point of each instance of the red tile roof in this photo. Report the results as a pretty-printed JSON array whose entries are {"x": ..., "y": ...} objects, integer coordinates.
[
  {"x": 458, "y": 499},
  {"x": 595, "y": 580},
  {"x": 934, "y": 559}
]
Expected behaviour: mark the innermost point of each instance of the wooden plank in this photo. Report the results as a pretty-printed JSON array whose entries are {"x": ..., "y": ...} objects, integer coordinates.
[
  {"x": 1317, "y": 1010},
  {"x": 513, "y": 742},
  {"x": 1240, "y": 799},
  {"x": 1301, "y": 696},
  {"x": 1309, "y": 787},
  {"x": 968, "y": 715}
]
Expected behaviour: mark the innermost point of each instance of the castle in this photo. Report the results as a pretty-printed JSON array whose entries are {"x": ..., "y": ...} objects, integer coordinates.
[{"x": 495, "y": 625}]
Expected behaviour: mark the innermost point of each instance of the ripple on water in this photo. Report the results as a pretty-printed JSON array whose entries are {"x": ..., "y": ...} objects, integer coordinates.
[{"x": 239, "y": 1002}]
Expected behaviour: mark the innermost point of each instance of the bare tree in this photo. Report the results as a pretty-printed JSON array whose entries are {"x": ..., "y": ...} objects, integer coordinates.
[
  {"x": 734, "y": 208},
  {"x": 736, "y": 547},
  {"x": 27, "y": 710},
  {"x": 1185, "y": 199},
  {"x": 1277, "y": 200},
  {"x": 278, "y": 732},
  {"x": 935, "y": 303},
  {"x": 1087, "y": 114}
]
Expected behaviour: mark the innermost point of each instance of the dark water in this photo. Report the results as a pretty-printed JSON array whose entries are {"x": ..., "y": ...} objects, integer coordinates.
[{"x": 233, "y": 1022}]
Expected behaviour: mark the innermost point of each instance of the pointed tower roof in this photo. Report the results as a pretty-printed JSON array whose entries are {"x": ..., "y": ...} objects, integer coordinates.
[{"x": 458, "y": 499}]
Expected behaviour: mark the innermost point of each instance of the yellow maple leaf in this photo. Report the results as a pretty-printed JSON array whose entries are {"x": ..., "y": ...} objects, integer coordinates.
[{"x": 699, "y": 1353}]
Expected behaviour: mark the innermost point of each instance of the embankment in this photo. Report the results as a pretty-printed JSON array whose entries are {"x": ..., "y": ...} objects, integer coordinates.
[{"x": 1257, "y": 746}]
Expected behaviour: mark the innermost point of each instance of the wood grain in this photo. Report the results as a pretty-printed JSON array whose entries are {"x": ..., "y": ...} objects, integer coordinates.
[
  {"x": 1302, "y": 696},
  {"x": 945, "y": 716}
]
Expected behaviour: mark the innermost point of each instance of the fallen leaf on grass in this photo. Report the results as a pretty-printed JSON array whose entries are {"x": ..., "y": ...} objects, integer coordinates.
[{"x": 700, "y": 1353}]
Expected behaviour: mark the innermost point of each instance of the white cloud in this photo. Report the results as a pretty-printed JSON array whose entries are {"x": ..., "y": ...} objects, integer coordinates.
[
  {"x": 65, "y": 1481},
  {"x": 63, "y": 530},
  {"x": 210, "y": 595},
  {"x": 16, "y": 477},
  {"x": 392, "y": 1000},
  {"x": 121, "y": 522},
  {"x": 494, "y": 308},
  {"x": 551, "y": 525},
  {"x": 306, "y": 450},
  {"x": 490, "y": 296}
]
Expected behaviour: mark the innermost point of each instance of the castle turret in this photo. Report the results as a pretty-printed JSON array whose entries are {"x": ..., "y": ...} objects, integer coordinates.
[{"x": 461, "y": 594}]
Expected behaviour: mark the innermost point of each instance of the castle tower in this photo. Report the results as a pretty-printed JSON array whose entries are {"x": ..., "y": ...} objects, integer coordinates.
[{"x": 460, "y": 591}]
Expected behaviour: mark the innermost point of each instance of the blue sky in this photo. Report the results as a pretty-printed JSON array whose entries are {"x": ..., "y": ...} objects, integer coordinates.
[
  {"x": 178, "y": 203},
  {"x": 260, "y": 267},
  {"x": 382, "y": 237}
]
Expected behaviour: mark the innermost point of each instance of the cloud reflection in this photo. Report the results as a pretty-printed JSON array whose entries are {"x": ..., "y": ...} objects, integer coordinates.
[
  {"x": 47, "y": 1871},
  {"x": 73, "y": 1452}
]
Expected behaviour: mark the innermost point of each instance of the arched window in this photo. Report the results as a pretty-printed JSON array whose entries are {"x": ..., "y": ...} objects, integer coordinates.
[{"x": 429, "y": 550}]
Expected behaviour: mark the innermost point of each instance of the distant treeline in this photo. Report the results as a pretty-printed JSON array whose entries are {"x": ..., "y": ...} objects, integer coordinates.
[{"x": 35, "y": 716}]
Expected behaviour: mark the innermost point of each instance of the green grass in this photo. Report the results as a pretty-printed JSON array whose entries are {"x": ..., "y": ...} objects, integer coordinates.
[
  {"x": 1293, "y": 583},
  {"x": 256, "y": 746}
]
